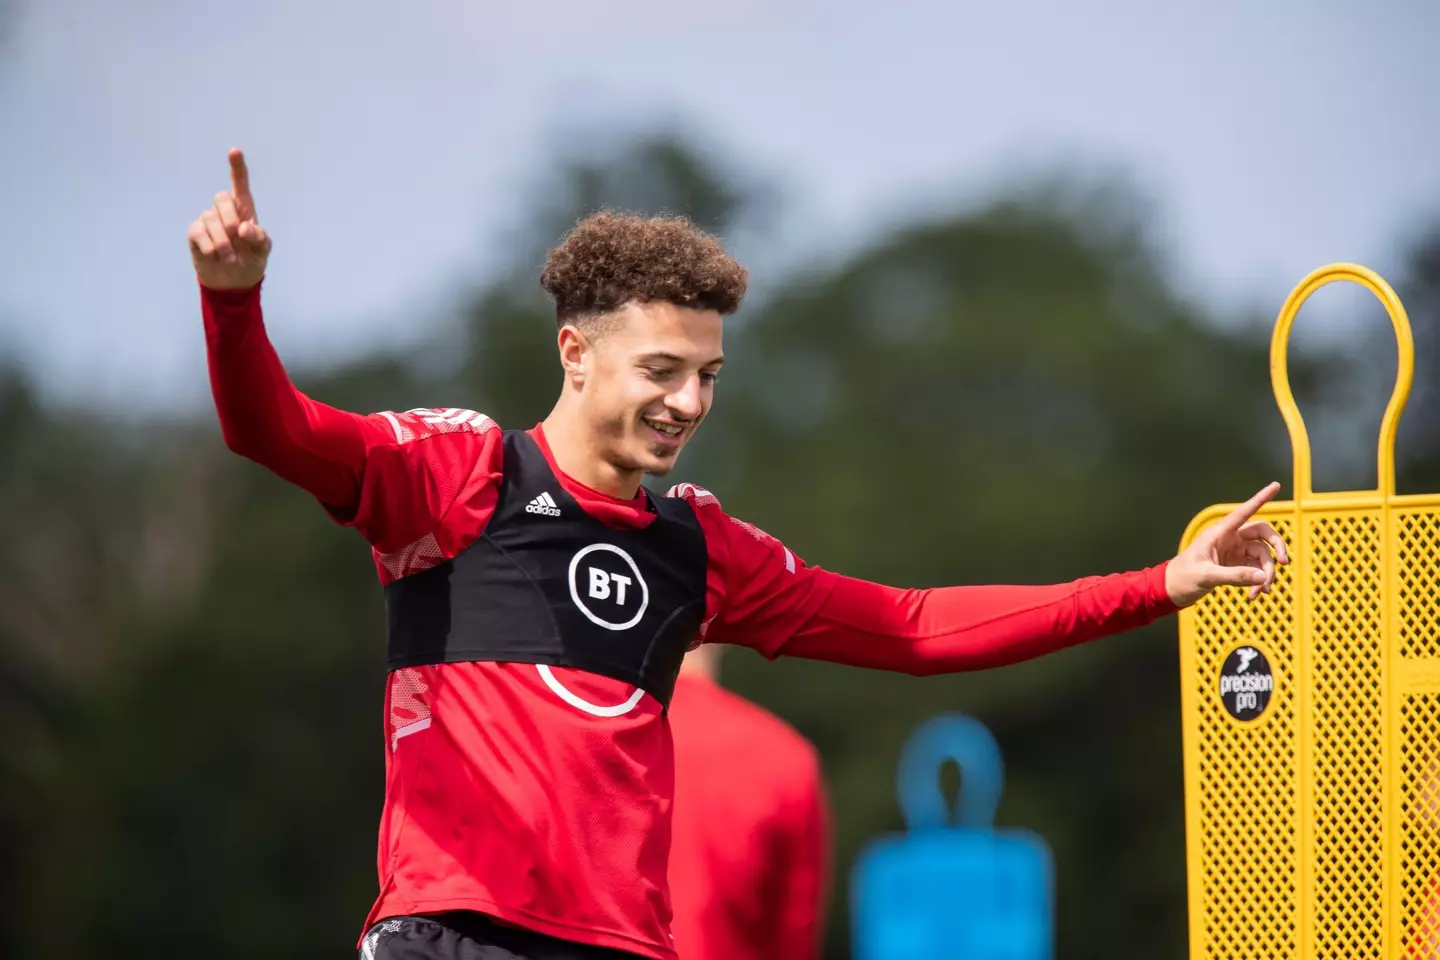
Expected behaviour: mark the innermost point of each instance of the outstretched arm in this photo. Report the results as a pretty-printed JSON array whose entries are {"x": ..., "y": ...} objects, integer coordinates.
[
  {"x": 950, "y": 629},
  {"x": 767, "y": 598}
]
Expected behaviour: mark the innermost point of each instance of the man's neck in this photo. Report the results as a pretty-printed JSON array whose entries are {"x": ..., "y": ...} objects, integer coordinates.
[{"x": 571, "y": 446}]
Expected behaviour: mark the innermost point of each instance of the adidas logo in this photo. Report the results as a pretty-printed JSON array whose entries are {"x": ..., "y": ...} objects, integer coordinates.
[{"x": 544, "y": 505}]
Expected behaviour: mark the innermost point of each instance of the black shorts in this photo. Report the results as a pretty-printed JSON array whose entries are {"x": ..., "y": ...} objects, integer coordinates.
[{"x": 471, "y": 936}]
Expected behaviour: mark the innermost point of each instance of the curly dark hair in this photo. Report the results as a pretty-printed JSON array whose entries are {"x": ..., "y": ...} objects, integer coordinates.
[{"x": 611, "y": 259}]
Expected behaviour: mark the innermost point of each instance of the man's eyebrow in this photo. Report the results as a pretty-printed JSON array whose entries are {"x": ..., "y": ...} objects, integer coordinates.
[{"x": 673, "y": 358}]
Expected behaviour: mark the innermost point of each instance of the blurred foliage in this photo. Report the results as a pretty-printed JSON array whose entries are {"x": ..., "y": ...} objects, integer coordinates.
[
  {"x": 192, "y": 654},
  {"x": 1418, "y": 457}
]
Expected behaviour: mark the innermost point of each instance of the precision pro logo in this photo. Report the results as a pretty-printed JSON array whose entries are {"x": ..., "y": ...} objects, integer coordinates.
[{"x": 1246, "y": 683}]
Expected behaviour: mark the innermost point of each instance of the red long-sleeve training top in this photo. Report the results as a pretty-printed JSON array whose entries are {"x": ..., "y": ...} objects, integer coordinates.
[
  {"x": 750, "y": 852},
  {"x": 529, "y": 794}
]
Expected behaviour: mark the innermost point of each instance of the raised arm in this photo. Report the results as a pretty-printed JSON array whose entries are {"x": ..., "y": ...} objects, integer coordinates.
[
  {"x": 265, "y": 418},
  {"x": 262, "y": 415}
]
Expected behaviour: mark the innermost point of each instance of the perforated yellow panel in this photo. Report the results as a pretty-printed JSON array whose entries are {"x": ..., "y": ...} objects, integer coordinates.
[
  {"x": 1312, "y": 715},
  {"x": 1418, "y": 701},
  {"x": 1242, "y": 783}
]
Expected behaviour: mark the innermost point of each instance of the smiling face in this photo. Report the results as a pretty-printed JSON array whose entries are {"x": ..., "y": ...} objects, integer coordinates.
[
  {"x": 645, "y": 378},
  {"x": 638, "y": 301}
]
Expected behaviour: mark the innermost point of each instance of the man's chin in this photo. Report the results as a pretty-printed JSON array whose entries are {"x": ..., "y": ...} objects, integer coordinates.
[
  {"x": 649, "y": 461},
  {"x": 658, "y": 464}
]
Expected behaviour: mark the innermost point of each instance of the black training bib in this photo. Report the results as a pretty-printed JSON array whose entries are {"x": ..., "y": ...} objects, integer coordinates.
[{"x": 548, "y": 584}]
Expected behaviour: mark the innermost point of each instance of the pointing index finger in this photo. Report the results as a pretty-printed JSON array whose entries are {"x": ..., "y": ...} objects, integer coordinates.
[
  {"x": 1246, "y": 510},
  {"x": 240, "y": 183}
]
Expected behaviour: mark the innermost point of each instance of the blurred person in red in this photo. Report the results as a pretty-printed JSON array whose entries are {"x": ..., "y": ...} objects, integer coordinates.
[
  {"x": 750, "y": 845},
  {"x": 539, "y": 599},
  {"x": 1422, "y": 805}
]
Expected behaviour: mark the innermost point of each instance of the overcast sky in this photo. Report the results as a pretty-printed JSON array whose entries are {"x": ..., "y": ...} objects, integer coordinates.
[{"x": 390, "y": 143}]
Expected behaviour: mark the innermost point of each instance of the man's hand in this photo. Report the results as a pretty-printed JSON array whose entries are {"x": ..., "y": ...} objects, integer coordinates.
[
  {"x": 227, "y": 244},
  {"x": 1231, "y": 552}
]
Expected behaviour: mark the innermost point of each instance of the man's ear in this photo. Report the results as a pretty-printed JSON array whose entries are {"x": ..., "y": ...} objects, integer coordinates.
[{"x": 574, "y": 353}]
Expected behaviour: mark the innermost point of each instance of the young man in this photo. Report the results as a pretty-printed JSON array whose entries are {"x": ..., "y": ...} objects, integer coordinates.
[
  {"x": 540, "y": 601},
  {"x": 750, "y": 844}
]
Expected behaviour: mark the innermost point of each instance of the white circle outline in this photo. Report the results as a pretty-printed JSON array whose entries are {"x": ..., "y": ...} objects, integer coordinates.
[
  {"x": 575, "y": 594},
  {"x": 594, "y": 709}
]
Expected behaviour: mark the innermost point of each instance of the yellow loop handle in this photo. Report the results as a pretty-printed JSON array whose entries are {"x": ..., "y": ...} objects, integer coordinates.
[{"x": 1404, "y": 373}]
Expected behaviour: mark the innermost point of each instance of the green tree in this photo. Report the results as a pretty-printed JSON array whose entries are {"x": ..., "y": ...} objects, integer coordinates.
[{"x": 1418, "y": 468}]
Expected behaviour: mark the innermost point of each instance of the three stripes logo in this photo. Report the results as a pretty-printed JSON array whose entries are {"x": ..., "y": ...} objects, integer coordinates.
[{"x": 543, "y": 505}]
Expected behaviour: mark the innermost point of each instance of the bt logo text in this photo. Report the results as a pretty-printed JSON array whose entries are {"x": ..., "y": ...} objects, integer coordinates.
[{"x": 601, "y": 582}]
